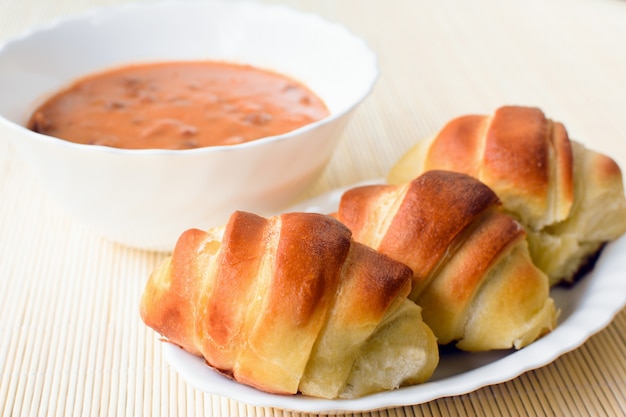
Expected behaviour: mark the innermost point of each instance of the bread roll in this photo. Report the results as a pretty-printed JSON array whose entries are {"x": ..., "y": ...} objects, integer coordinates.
[
  {"x": 570, "y": 199},
  {"x": 291, "y": 304},
  {"x": 473, "y": 275}
]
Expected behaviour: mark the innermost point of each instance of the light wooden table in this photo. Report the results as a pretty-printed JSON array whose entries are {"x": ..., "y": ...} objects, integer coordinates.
[{"x": 71, "y": 341}]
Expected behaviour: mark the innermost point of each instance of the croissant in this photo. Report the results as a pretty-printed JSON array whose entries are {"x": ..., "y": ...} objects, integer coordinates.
[
  {"x": 291, "y": 304},
  {"x": 473, "y": 275},
  {"x": 569, "y": 198}
]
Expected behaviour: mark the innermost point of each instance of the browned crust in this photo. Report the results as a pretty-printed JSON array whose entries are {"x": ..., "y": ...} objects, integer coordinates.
[
  {"x": 374, "y": 279},
  {"x": 458, "y": 146},
  {"x": 219, "y": 328},
  {"x": 447, "y": 301},
  {"x": 490, "y": 239},
  {"x": 564, "y": 161},
  {"x": 355, "y": 206},
  {"x": 516, "y": 151},
  {"x": 310, "y": 253},
  {"x": 167, "y": 301},
  {"x": 437, "y": 207}
]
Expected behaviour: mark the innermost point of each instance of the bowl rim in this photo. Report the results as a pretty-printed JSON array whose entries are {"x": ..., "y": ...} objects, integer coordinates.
[{"x": 120, "y": 8}]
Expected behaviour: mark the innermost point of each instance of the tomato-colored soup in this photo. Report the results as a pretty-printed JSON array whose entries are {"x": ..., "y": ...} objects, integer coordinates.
[{"x": 178, "y": 105}]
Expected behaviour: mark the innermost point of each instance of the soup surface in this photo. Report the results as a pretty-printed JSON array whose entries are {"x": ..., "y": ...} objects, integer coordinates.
[{"x": 177, "y": 105}]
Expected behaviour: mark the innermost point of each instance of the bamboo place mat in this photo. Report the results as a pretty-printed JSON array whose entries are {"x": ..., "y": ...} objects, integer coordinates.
[{"x": 71, "y": 341}]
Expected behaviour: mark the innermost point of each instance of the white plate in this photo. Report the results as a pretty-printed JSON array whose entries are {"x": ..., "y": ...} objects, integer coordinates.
[{"x": 586, "y": 308}]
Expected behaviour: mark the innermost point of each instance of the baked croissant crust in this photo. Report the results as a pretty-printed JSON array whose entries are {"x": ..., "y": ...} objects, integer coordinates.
[
  {"x": 569, "y": 198},
  {"x": 291, "y": 304},
  {"x": 473, "y": 275}
]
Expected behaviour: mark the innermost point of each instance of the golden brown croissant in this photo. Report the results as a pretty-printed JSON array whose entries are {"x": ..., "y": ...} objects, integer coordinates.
[
  {"x": 570, "y": 199},
  {"x": 473, "y": 276},
  {"x": 291, "y": 304}
]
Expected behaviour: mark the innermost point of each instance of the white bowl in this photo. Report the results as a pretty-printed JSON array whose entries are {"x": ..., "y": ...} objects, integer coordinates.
[{"x": 147, "y": 198}]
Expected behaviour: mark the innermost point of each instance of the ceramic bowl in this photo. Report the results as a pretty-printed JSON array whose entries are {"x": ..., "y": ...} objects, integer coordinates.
[{"x": 147, "y": 198}]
